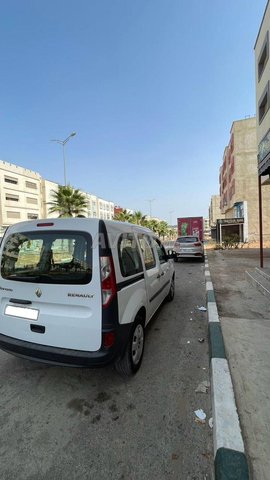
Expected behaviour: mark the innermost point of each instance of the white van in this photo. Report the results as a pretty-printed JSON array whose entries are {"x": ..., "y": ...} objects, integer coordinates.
[{"x": 80, "y": 291}]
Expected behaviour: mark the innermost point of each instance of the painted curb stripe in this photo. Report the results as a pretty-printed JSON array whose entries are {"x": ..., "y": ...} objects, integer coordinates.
[
  {"x": 230, "y": 459},
  {"x": 226, "y": 427},
  {"x": 212, "y": 312},
  {"x": 216, "y": 343},
  {"x": 210, "y": 296},
  {"x": 230, "y": 465}
]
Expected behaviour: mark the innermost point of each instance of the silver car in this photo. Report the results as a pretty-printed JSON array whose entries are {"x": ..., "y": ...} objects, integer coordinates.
[{"x": 188, "y": 246}]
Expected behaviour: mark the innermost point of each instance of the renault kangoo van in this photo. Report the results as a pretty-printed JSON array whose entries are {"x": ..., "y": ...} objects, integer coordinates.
[{"x": 80, "y": 291}]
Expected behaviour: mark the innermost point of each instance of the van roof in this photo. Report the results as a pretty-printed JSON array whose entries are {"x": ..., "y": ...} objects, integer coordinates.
[{"x": 78, "y": 222}]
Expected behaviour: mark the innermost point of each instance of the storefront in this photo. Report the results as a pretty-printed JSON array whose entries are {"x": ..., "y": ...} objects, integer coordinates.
[{"x": 228, "y": 227}]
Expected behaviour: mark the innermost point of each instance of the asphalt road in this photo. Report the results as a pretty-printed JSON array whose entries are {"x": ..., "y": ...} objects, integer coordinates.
[{"x": 63, "y": 423}]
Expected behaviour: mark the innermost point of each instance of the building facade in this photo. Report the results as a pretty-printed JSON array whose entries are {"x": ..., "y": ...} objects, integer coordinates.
[
  {"x": 20, "y": 194},
  {"x": 262, "y": 65},
  {"x": 239, "y": 184},
  {"x": 214, "y": 211},
  {"x": 25, "y": 195}
]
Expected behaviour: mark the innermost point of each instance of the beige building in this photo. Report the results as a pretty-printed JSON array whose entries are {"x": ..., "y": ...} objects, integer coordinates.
[
  {"x": 25, "y": 195},
  {"x": 214, "y": 210},
  {"x": 239, "y": 184},
  {"x": 20, "y": 194},
  {"x": 262, "y": 63}
]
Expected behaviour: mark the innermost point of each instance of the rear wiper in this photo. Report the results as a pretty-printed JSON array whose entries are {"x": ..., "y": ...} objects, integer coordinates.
[{"x": 22, "y": 278}]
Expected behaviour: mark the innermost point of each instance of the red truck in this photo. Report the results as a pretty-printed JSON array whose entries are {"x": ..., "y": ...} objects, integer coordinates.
[{"x": 190, "y": 226}]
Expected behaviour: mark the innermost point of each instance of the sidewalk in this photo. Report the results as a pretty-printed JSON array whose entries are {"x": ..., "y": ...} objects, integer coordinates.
[{"x": 244, "y": 315}]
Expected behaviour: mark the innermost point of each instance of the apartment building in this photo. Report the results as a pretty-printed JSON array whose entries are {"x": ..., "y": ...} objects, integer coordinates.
[
  {"x": 262, "y": 68},
  {"x": 20, "y": 194},
  {"x": 99, "y": 208},
  {"x": 214, "y": 213},
  {"x": 262, "y": 65},
  {"x": 25, "y": 195},
  {"x": 239, "y": 185}
]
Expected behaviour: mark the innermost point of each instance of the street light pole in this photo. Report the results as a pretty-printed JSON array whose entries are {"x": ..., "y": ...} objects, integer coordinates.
[
  {"x": 63, "y": 143},
  {"x": 150, "y": 205},
  {"x": 170, "y": 212}
]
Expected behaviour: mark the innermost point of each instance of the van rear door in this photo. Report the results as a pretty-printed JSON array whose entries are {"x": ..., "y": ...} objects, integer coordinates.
[{"x": 50, "y": 286}]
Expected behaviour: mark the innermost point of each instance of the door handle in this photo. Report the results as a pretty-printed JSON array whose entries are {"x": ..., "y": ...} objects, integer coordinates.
[{"x": 160, "y": 275}]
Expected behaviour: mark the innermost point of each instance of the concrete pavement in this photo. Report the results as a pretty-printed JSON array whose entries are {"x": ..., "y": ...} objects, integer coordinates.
[{"x": 244, "y": 315}]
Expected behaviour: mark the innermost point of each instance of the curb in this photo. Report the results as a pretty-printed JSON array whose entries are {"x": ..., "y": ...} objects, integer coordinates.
[{"x": 229, "y": 454}]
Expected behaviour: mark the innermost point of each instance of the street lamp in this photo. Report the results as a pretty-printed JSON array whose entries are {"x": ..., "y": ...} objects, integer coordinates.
[
  {"x": 63, "y": 143},
  {"x": 170, "y": 212},
  {"x": 150, "y": 205}
]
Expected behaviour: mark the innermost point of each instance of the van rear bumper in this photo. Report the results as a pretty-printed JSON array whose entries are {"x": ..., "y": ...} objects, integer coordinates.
[{"x": 64, "y": 356}]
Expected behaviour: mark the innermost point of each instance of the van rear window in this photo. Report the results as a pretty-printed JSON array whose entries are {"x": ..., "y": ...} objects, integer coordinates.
[{"x": 57, "y": 257}]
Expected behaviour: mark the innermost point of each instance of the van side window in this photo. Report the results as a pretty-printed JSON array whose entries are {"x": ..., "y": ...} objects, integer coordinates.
[
  {"x": 160, "y": 251},
  {"x": 147, "y": 251},
  {"x": 129, "y": 255}
]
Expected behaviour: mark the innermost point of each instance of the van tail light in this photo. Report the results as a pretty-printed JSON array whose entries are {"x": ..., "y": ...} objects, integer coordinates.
[
  {"x": 108, "y": 282},
  {"x": 197, "y": 244}
]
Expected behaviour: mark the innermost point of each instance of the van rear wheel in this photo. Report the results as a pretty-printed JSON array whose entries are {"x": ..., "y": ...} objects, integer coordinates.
[{"x": 131, "y": 360}]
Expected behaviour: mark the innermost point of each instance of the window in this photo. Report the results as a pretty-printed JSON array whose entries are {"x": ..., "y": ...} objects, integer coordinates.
[
  {"x": 31, "y": 185},
  {"x": 147, "y": 251},
  {"x": 187, "y": 239},
  {"x": 48, "y": 257},
  {"x": 31, "y": 200},
  {"x": 32, "y": 216},
  {"x": 264, "y": 103},
  {"x": 12, "y": 198},
  {"x": 263, "y": 56},
  {"x": 13, "y": 215},
  {"x": 129, "y": 255},
  {"x": 11, "y": 180},
  {"x": 160, "y": 251}
]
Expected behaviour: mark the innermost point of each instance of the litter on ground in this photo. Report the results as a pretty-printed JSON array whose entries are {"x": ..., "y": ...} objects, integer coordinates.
[
  {"x": 202, "y": 309},
  {"x": 203, "y": 387},
  {"x": 200, "y": 416},
  {"x": 210, "y": 422},
  {"x": 201, "y": 340}
]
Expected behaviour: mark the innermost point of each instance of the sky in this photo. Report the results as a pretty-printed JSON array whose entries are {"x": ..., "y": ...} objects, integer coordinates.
[{"x": 150, "y": 86}]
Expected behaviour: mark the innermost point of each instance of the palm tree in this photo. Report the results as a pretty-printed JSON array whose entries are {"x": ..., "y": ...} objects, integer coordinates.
[
  {"x": 123, "y": 216},
  {"x": 68, "y": 202},
  {"x": 138, "y": 218},
  {"x": 163, "y": 229},
  {"x": 153, "y": 225}
]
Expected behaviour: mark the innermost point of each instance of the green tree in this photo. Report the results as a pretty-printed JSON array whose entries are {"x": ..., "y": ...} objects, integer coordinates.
[
  {"x": 68, "y": 202},
  {"x": 123, "y": 216},
  {"x": 163, "y": 229},
  {"x": 138, "y": 218}
]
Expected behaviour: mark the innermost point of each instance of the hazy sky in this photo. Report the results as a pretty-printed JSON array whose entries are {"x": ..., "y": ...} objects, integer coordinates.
[{"x": 150, "y": 86}]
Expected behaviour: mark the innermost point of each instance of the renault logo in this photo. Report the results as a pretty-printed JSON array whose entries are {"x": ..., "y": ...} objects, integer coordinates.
[{"x": 38, "y": 292}]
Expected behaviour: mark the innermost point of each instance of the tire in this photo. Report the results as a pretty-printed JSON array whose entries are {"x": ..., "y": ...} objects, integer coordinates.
[
  {"x": 170, "y": 295},
  {"x": 202, "y": 259},
  {"x": 131, "y": 360}
]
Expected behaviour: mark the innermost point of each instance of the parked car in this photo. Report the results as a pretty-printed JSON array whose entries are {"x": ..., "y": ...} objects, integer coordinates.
[
  {"x": 80, "y": 291},
  {"x": 188, "y": 246}
]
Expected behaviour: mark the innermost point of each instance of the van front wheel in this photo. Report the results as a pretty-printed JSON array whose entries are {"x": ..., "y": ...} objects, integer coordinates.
[{"x": 131, "y": 361}]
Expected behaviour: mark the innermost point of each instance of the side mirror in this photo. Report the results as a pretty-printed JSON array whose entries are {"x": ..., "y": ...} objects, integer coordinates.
[{"x": 170, "y": 254}]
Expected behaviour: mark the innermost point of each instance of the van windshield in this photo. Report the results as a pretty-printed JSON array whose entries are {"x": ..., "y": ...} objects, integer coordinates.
[{"x": 58, "y": 257}]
